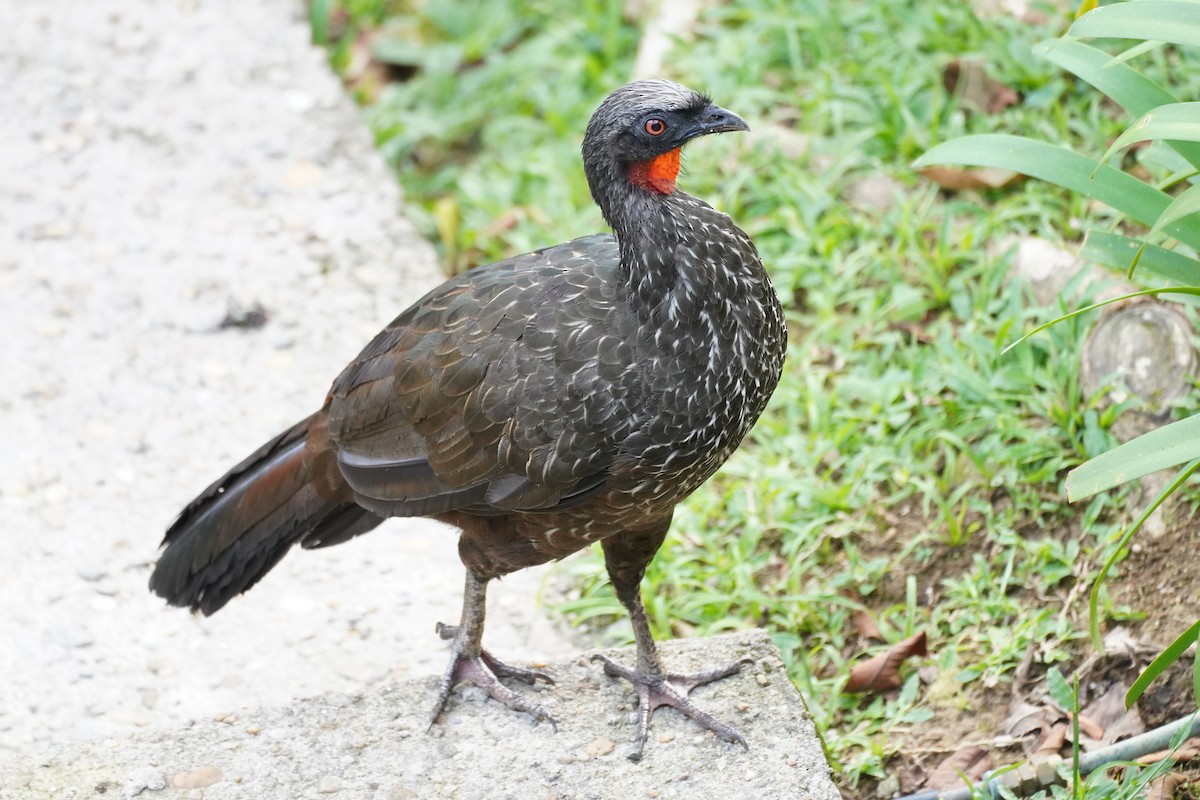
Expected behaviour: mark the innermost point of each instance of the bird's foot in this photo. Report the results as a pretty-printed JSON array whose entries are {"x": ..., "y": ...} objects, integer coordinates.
[
  {"x": 485, "y": 671},
  {"x": 672, "y": 690},
  {"x": 502, "y": 670}
]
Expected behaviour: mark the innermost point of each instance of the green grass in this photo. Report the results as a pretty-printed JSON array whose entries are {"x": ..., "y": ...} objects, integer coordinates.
[{"x": 900, "y": 437}]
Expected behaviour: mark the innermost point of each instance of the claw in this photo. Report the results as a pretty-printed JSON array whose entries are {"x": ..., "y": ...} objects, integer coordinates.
[
  {"x": 502, "y": 670},
  {"x": 484, "y": 671},
  {"x": 655, "y": 691}
]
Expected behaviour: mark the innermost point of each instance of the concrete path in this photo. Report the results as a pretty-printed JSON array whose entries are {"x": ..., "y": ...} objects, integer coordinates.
[
  {"x": 377, "y": 745},
  {"x": 165, "y": 167}
]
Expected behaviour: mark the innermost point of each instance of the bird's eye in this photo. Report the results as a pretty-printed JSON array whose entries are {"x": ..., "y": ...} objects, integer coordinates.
[{"x": 655, "y": 126}]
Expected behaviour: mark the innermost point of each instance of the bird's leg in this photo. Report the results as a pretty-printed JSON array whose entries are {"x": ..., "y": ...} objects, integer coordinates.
[
  {"x": 470, "y": 662},
  {"x": 655, "y": 686},
  {"x": 502, "y": 670}
]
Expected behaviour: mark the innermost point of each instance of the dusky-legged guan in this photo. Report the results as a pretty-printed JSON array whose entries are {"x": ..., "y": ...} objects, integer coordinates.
[{"x": 567, "y": 396}]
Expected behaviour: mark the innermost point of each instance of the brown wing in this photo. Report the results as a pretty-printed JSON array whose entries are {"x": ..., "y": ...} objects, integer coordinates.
[{"x": 504, "y": 389}]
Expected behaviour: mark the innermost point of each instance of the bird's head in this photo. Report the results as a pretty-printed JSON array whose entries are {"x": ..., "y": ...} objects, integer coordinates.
[{"x": 633, "y": 139}]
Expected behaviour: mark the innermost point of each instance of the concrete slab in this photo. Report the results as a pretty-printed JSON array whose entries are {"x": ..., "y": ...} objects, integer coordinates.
[{"x": 374, "y": 745}]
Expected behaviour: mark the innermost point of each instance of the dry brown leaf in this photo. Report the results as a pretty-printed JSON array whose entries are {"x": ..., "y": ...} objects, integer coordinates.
[
  {"x": 1108, "y": 707},
  {"x": 958, "y": 179},
  {"x": 1165, "y": 786},
  {"x": 1188, "y": 751},
  {"x": 977, "y": 90},
  {"x": 1130, "y": 724},
  {"x": 1052, "y": 739},
  {"x": 1113, "y": 720},
  {"x": 865, "y": 624},
  {"x": 1088, "y": 727},
  {"x": 969, "y": 762},
  {"x": 1021, "y": 673},
  {"x": 882, "y": 672},
  {"x": 1023, "y": 718}
]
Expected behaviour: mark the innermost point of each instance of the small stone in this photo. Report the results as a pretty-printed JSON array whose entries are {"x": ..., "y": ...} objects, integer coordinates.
[
  {"x": 401, "y": 793},
  {"x": 145, "y": 778},
  {"x": 368, "y": 277},
  {"x": 1049, "y": 269},
  {"x": 302, "y": 174},
  {"x": 789, "y": 142},
  {"x": 876, "y": 192},
  {"x": 92, "y": 574},
  {"x": 197, "y": 778},
  {"x": 666, "y": 737},
  {"x": 763, "y": 680},
  {"x": 253, "y": 730},
  {"x": 102, "y": 603},
  {"x": 1145, "y": 350},
  {"x": 600, "y": 747},
  {"x": 888, "y": 787},
  {"x": 299, "y": 101},
  {"x": 329, "y": 784}
]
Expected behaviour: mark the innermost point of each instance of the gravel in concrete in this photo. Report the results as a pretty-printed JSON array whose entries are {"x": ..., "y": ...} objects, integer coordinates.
[{"x": 375, "y": 745}]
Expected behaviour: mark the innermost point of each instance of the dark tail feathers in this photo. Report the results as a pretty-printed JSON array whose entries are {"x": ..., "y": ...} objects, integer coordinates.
[{"x": 238, "y": 528}]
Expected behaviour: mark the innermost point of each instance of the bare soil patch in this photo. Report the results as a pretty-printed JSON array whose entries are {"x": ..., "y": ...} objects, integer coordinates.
[{"x": 1152, "y": 584}]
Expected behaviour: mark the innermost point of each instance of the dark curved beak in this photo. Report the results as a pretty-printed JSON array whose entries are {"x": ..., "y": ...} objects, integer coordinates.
[{"x": 715, "y": 119}]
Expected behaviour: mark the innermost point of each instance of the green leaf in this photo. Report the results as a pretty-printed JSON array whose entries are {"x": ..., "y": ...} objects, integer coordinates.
[
  {"x": 1173, "y": 122},
  {"x": 1174, "y": 21},
  {"x": 1117, "y": 252},
  {"x": 1127, "y": 87},
  {"x": 1184, "y": 205},
  {"x": 1060, "y": 690},
  {"x": 319, "y": 14},
  {"x": 1065, "y": 168},
  {"x": 1163, "y": 660},
  {"x": 1196, "y": 681},
  {"x": 1166, "y": 447},
  {"x": 1137, "y": 50}
]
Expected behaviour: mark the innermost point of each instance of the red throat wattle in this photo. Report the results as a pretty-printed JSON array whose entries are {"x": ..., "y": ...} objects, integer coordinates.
[{"x": 657, "y": 174}]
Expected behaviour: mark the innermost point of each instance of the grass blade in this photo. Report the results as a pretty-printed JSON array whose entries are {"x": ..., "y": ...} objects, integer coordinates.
[
  {"x": 1184, "y": 205},
  {"x": 1136, "y": 50},
  {"x": 1118, "y": 252},
  {"x": 1127, "y": 87},
  {"x": 1163, "y": 660},
  {"x": 1173, "y": 21},
  {"x": 1065, "y": 168},
  {"x": 1186, "y": 290},
  {"x": 1159, "y": 449},
  {"x": 1179, "y": 122}
]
